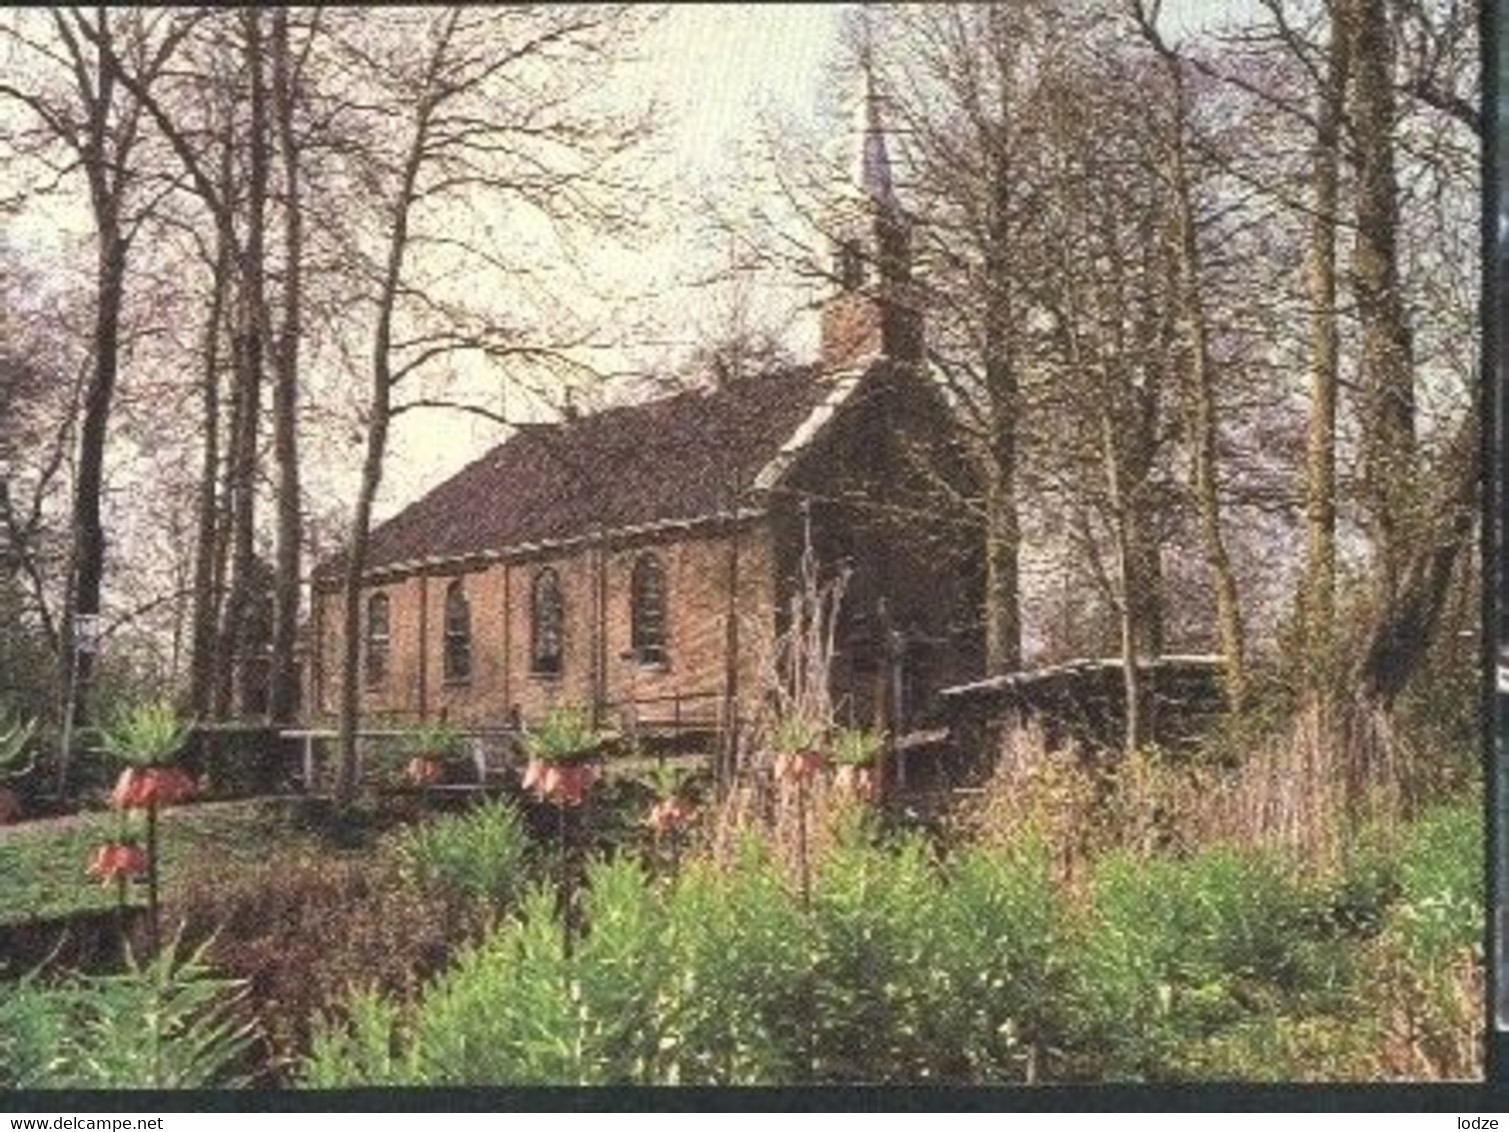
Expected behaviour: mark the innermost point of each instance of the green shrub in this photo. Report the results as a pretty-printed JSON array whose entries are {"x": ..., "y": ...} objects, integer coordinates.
[
  {"x": 1441, "y": 869},
  {"x": 434, "y": 739},
  {"x": 1276, "y": 1048},
  {"x": 36, "y": 1023},
  {"x": 732, "y": 1006},
  {"x": 565, "y": 735},
  {"x": 360, "y": 1050},
  {"x": 616, "y": 974},
  {"x": 163, "y": 1024},
  {"x": 1175, "y": 951},
  {"x": 15, "y": 739},
  {"x": 929, "y": 972},
  {"x": 146, "y": 733},
  {"x": 874, "y": 990},
  {"x": 900, "y": 973},
  {"x": 503, "y": 1013},
  {"x": 974, "y": 970},
  {"x": 1367, "y": 884},
  {"x": 478, "y": 856},
  {"x": 514, "y": 1009},
  {"x": 1000, "y": 946},
  {"x": 694, "y": 984}
]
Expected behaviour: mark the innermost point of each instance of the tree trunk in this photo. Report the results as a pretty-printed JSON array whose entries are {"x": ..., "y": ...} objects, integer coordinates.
[
  {"x": 87, "y": 566},
  {"x": 1317, "y": 600},
  {"x": 214, "y": 671},
  {"x": 377, "y": 440},
  {"x": 207, "y": 593},
  {"x": 1403, "y": 630},
  {"x": 283, "y": 690},
  {"x": 250, "y": 322},
  {"x": 351, "y": 591},
  {"x": 1203, "y": 411},
  {"x": 1003, "y": 615},
  {"x": 1003, "y": 619},
  {"x": 224, "y": 670},
  {"x": 88, "y": 570},
  {"x": 1125, "y": 536},
  {"x": 1388, "y": 401},
  {"x": 1145, "y": 567}
]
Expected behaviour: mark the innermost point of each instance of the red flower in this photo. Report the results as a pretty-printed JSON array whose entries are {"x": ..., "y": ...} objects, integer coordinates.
[
  {"x": 127, "y": 794},
  {"x": 564, "y": 784},
  {"x": 118, "y": 859},
  {"x": 139, "y": 787},
  {"x": 423, "y": 771},
  {"x": 171, "y": 785},
  {"x": 797, "y": 766},
  {"x": 669, "y": 814},
  {"x": 856, "y": 780}
]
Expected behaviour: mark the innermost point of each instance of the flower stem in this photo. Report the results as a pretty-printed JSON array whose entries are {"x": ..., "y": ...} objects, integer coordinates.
[
  {"x": 120, "y": 908},
  {"x": 801, "y": 842},
  {"x": 152, "y": 936},
  {"x": 567, "y": 878}
]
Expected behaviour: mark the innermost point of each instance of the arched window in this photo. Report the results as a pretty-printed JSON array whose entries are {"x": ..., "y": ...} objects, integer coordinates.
[
  {"x": 457, "y": 665},
  {"x": 647, "y": 610},
  {"x": 547, "y": 624},
  {"x": 379, "y": 636}
]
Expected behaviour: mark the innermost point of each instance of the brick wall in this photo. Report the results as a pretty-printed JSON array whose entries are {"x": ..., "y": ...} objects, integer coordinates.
[
  {"x": 849, "y": 329},
  {"x": 855, "y": 325},
  {"x": 595, "y": 587}
]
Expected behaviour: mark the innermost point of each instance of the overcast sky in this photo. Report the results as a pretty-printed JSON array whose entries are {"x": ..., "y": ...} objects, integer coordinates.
[{"x": 719, "y": 71}]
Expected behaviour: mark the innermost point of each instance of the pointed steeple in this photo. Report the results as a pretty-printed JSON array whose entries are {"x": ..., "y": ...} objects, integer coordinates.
[
  {"x": 874, "y": 312},
  {"x": 874, "y": 173}
]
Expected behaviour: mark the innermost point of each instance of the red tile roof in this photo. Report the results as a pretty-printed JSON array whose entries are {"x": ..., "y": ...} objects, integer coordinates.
[{"x": 683, "y": 457}]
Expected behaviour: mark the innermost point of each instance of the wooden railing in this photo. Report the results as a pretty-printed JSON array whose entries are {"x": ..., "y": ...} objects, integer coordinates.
[
  {"x": 674, "y": 717},
  {"x": 477, "y": 739},
  {"x": 632, "y": 714}
]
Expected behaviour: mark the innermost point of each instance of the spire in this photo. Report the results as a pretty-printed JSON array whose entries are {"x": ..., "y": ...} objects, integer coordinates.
[
  {"x": 874, "y": 312},
  {"x": 874, "y": 173}
]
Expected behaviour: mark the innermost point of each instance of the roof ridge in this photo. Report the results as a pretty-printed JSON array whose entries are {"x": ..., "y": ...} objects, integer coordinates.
[
  {"x": 561, "y": 425},
  {"x": 638, "y": 465},
  {"x": 784, "y": 373}
]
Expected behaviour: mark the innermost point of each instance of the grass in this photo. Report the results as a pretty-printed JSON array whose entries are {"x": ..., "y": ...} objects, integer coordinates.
[{"x": 43, "y": 863}]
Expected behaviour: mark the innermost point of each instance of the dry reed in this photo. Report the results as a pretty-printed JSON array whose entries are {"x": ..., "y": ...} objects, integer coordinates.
[{"x": 1306, "y": 788}]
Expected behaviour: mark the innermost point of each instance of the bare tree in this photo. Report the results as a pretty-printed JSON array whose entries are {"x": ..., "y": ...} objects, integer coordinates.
[
  {"x": 1318, "y": 594},
  {"x": 1189, "y": 296},
  {"x": 86, "y": 112},
  {"x": 39, "y": 401},
  {"x": 1106, "y": 295},
  {"x": 1398, "y": 316},
  {"x": 207, "y": 159},
  {"x": 1387, "y": 377},
  {"x": 969, "y": 109},
  {"x": 287, "y": 70},
  {"x": 229, "y": 165},
  {"x": 249, "y": 349},
  {"x": 208, "y": 561},
  {"x": 544, "y": 153},
  {"x": 1327, "y": 78}
]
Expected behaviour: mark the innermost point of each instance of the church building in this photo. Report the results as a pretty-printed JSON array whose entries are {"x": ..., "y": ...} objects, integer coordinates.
[{"x": 645, "y": 557}]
